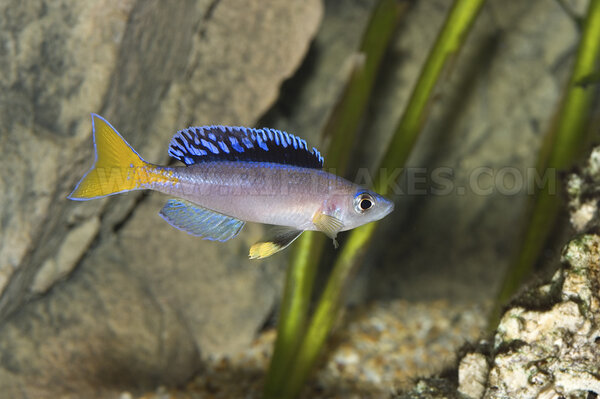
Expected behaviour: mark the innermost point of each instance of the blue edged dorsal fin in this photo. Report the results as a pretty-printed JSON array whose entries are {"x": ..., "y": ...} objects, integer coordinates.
[
  {"x": 227, "y": 143},
  {"x": 199, "y": 221}
]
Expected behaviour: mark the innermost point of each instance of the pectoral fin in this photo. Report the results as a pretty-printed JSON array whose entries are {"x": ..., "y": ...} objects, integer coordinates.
[
  {"x": 280, "y": 239},
  {"x": 329, "y": 225},
  {"x": 199, "y": 221}
]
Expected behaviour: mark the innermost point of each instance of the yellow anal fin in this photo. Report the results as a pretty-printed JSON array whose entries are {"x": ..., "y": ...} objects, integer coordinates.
[
  {"x": 280, "y": 240},
  {"x": 117, "y": 168},
  {"x": 262, "y": 250}
]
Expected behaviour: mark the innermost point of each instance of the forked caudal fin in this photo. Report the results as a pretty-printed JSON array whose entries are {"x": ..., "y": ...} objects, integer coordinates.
[{"x": 116, "y": 168}]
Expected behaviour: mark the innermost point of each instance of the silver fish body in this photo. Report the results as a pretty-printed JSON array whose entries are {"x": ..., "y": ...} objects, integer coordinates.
[{"x": 272, "y": 193}]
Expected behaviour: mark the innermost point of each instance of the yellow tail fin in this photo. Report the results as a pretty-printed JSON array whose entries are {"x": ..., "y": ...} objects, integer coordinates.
[{"x": 116, "y": 167}]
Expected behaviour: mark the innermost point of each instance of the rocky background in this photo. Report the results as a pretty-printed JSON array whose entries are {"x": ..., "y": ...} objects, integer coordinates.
[
  {"x": 103, "y": 297},
  {"x": 100, "y": 296},
  {"x": 547, "y": 344}
]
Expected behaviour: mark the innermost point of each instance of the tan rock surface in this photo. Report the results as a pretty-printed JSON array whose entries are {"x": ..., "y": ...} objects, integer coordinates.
[{"x": 142, "y": 301}]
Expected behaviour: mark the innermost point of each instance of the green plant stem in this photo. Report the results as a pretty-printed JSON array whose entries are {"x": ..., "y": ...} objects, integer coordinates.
[
  {"x": 294, "y": 310},
  {"x": 326, "y": 312},
  {"x": 448, "y": 42},
  {"x": 560, "y": 149},
  {"x": 340, "y": 130},
  {"x": 342, "y": 126}
]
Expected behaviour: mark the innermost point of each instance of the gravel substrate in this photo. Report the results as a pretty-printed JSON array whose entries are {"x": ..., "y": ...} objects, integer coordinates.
[{"x": 375, "y": 351}]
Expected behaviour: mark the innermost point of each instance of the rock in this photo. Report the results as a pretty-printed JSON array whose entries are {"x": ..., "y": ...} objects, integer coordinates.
[
  {"x": 584, "y": 193},
  {"x": 544, "y": 347},
  {"x": 554, "y": 352},
  {"x": 58, "y": 61},
  {"x": 472, "y": 375},
  {"x": 432, "y": 388},
  {"x": 104, "y": 297},
  {"x": 65, "y": 259},
  {"x": 308, "y": 97},
  {"x": 152, "y": 80}
]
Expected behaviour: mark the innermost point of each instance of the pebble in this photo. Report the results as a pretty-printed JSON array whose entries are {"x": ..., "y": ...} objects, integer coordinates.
[{"x": 376, "y": 350}]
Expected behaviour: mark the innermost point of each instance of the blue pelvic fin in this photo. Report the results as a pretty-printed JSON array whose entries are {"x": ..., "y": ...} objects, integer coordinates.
[
  {"x": 227, "y": 143},
  {"x": 280, "y": 238},
  {"x": 199, "y": 221}
]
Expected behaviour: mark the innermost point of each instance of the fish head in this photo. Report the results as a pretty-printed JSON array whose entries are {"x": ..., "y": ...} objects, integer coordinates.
[{"x": 364, "y": 206}]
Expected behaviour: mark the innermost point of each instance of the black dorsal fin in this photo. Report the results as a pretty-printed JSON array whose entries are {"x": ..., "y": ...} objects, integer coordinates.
[{"x": 227, "y": 143}]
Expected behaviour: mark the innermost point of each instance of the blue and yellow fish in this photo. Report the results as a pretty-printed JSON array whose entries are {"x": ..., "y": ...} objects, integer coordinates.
[{"x": 234, "y": 175}]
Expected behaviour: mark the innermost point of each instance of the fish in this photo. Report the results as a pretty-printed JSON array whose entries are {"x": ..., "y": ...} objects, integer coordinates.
[{"x": 231, "y": 176}]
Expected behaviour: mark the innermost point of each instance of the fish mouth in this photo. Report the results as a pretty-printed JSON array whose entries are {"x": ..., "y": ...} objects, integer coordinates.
[
  {"x": 386, "y": 209},
  {"x": 389, "y": 208}
]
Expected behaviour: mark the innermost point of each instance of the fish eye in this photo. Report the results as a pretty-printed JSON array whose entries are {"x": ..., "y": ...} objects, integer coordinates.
[{"x": 364, "y": 202}]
